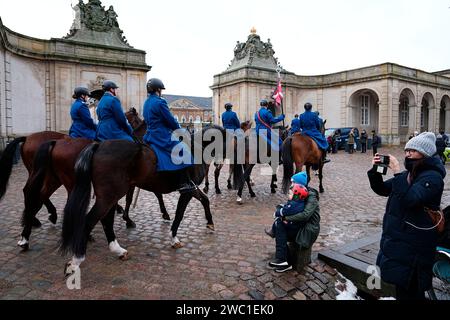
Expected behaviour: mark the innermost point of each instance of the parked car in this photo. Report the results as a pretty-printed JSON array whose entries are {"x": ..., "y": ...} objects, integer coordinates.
[{"x": 344, "y": 135}]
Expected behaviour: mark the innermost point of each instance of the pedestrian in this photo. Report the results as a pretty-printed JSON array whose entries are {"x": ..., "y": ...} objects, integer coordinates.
[
  {"x": 440, "y": 148},
  {"x": 351, "y": 141},
  {"x": 375, "y": 142},
  {"x": 336, "y": 140},
  {"x": 444, "y": 136},
  {"x": 409, "y": 238},
  {"x": 297, "y": 221},
  {"x": 113, "y": 124},
  {"x": 363, "y": 141},
  {"x": 83, "y": 125}
]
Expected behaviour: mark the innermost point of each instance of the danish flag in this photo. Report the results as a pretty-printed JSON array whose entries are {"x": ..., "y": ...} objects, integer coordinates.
[{"x": 278, "y": 94}]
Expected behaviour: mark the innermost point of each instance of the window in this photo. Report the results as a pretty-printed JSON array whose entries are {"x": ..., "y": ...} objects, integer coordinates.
[
  {"x": 191, "y": 119},
  {"x": 183, "y": 119},
  {"x": 365, "y": 106},
  {"x": 198, "y": 119},
  {"x": 404, "y": 113},
  {"x": 176, "y": 117}
]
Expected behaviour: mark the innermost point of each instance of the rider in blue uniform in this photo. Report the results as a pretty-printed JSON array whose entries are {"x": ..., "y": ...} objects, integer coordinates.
[
  {"x": 264, "y": 121},
  {"x": 83, "y": 125},
  {"x": 230, "y": 119},
  {"x": 160, "y": 126},
  {"x": 295, "y": 125},
  {"x": 113, "y": 124},
  {"x": 311, "y": 126}
]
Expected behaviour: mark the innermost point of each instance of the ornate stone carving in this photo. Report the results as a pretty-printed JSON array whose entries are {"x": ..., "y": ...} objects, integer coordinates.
[
  {"x": 93, "y": 17},
  {"x": 254, "y": 52}
]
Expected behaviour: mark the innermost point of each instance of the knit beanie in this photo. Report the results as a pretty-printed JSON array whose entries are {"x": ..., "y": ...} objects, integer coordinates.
[
  {"x": 300, "y": 178},
  {"x": 425, "y": 143}
]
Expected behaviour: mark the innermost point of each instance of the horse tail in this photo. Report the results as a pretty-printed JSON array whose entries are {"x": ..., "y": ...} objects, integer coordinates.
[
  {"x": 41, "y": 163},
  {"x": 6, "y": 163},
  {"x": 73, "y": 233},
  {"x": 288, "y": 164}
]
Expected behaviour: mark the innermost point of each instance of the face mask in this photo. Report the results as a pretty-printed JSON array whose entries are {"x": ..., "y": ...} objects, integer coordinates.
[{"x": 409, "y": 163}]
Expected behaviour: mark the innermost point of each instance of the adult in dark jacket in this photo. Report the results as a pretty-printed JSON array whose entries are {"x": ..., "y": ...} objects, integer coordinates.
[
  {"x": 408, "y": 242},
  {"x": 363, "y": 141},
  {"x": 113, "y": 124},
  {"x": 83, "y": 125},
  {"x": 230, "y": 119},
  {"x": 440, "y": 147},
  {"x": 375, "y": 142},
  {"x": 303, "y": 228},
  {"x": 160, "y": 126}
]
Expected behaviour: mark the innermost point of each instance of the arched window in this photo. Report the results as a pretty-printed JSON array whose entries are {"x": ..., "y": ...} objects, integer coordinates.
[
  {"x": 191, "y": 119},
  {"x": 365, "y": 107},
  {"x": 183, "y": 119},
  {"x": 404, "y": 113}
]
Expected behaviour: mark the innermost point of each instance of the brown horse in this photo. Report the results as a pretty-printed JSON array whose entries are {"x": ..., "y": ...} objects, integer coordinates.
[
  {"x": 301, "y": 150},
  {"x": 29, "y": 147},
  {"x": 54, "y": 166},
  {"x": 112, "y": 167},
  {"x": 245, "y": 126},
  {"x": 242, "y": 172}
]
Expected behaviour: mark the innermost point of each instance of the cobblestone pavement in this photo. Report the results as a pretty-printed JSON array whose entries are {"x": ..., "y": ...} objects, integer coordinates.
[{"x": 228, "y": 264}]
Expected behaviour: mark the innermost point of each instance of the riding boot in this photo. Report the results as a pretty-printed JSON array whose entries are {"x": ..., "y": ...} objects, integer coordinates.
[
  {"x": 185, "y": 184},
  {"x": 324, "y": 157}
]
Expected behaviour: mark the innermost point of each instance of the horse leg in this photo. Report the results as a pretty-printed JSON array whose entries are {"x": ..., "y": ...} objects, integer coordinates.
[
  {"x": 308, "y": 173},
  {"x": 247, "y": 173},
  {"x": 321, "y": 189},
  {"x": 129, "y": 201},
  {"x": 206, "y": 188},
  {"x": 203, "y": 198},
  {"x": 108, "y": 228},
  {"x": 162, "y": 207},
  {"x": 51, "y": 210},
  {"x": 249, "y": 185},
  {"x": 216, "y": 178},
  {"x": 181, "y": 208},
  {"x": 119, "y": 209},
  {"x": 230, "y": 174},
  {"x": 273, "y": 185}
]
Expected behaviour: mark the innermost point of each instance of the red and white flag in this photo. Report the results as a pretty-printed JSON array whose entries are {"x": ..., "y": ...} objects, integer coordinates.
[{"x": 278, "y": 94}]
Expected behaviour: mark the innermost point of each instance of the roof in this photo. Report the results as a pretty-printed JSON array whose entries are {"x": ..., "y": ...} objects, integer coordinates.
[{"x": 204, "y": 103}]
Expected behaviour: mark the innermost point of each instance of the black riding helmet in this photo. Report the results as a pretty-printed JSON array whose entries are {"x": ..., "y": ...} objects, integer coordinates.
[
  {"x": 80, "y": 91},
  {"x": 308, "y": 106},
  {"x": 155, "y": 84},
  {"x": 108, "y": 85},
  {"x": 264, "y": 103},
  {"x": 228, "y": 106}
]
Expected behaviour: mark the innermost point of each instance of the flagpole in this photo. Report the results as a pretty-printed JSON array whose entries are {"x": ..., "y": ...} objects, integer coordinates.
[{"x": 279, "y": 79}]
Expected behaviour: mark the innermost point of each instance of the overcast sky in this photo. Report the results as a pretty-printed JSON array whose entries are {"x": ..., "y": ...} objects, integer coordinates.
[{"x": 188, "y": 42}]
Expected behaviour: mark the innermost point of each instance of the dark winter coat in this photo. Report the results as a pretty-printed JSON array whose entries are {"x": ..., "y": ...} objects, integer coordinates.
[
  {"x": 404, "y": 249},
  {"x": 309, "y": 218}
]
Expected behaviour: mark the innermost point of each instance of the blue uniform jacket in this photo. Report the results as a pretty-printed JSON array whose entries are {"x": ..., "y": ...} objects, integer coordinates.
[
  {"x": 83, "y": 126},
  {"x": 269, "y": 119},
  {"x": 112, "y": 122},
  {"x": 160, "y": 125},
  {"x": 230, "y": 120},
  {"x": 295, "y": 126},
  {"x": 311, "y": 126}
]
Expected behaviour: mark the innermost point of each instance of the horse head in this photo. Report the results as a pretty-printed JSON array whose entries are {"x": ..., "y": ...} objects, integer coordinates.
[
  {"x": 138, "y": 124},
  {"x": 247, "y": 125}
]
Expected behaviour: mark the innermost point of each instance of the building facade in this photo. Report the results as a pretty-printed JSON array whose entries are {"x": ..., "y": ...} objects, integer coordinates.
[
  {"x": 391, "y": 99},
  {"x": 37, "y": 77},
  {"x": 190, "y": 110}
]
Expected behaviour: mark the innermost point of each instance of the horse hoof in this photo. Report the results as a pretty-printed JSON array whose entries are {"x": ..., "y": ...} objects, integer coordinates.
[
  {"x": 124, "y": 257},
  {"x": 253, "y": 195},
  {"x": 218, "y": 191},
  {"x": 205, "y": 190},
  {"x": 120, "y": 210},
  {"x": 229, "y": 187},
  {"x": 25, "y": 247},
  {"x": 131, "y": 225},
  {"x": 177, "y": 245},
  {"x": 273, "y": 191},
  {"x": 166, "y": 217},
  {"x": 239, "y": 200},
  {"x": 36, "y": 223},
  {"x": 211, "y": 227},
  {"x": 53, "y": 218},
  {"x": 321, "y": 190}
]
